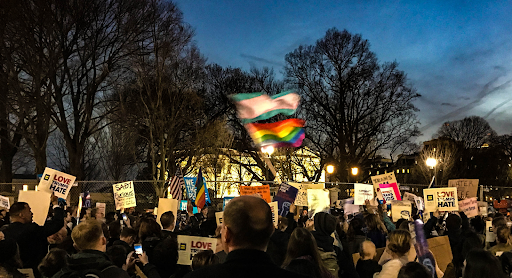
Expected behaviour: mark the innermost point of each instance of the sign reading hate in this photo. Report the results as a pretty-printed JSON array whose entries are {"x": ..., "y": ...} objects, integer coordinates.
[
  {"x": 124, "y": 195},
  {"x": 466, "y": 188},
  {"x": 189, "y": 246},
  {"x": 57, "y": 182},
  {"x": 442, "y": 199}
]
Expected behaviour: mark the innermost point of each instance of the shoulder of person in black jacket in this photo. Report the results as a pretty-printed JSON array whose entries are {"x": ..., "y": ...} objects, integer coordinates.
[{"x": 91, "y": 261}]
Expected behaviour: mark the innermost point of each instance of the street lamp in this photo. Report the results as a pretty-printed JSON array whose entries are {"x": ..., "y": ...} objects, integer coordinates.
[
  {"x": 432, "y": 162},
  {"x": 269, "y": 150},
  {"x": 330, "y": 169},
  {"x": 355, "y": 170}
]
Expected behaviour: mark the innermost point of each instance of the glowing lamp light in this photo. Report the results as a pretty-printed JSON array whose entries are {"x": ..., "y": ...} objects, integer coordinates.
[
  {"x": 355, "y": 170},
  {"x": 25, "y": 187},
  {"x": 267, "y": 149},
  {"x": 330, "y": 169},
  {"x": 431, "y": 162},
  {"x": 35, "y": 188}
]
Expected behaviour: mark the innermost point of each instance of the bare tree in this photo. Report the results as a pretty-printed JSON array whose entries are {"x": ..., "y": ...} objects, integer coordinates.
[
  {"x": 472, "y": 131},
  {"x": 353, "y": 106},
  {"x": 447, "y": 153}
]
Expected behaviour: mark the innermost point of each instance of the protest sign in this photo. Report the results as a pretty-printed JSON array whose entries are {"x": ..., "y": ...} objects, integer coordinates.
[
  {"x": 466, "y": 188},
  {"x": 285, "y": 197},
  {"x": 219, "y": 215},
  {"x": 349, "y": 207},
  {"x": 419, "y": 203},
  {"x": 27, "y": 272},
  {"x": 469, "y": 206},
  {"x": 409, "y": 197},
  {"x": 101, "y": 207},
  {"x": 444, "y": 199},
  {"x": 4, "y": 202},
  {"x": 483, "y": 207},
  {"x": 190, "y": 187},
  {"x": 386, "y": 178},
  {"x": 362, "y": 192},
  {"x": 302, "y": 194},
  {"x": 275, "y": 213},
  {"x": 165, "y": 205},
  {"x": 318, "y": 201},
  {"x": 390, "y": 192},
  {"x": 183, "y": 207},
  {"x": 225, "y": 201},
  {"x": 262, "y": 191},
  {"x": 400, "y": 209},
  {"x": 124, "y": 195},
  {"x": 39, "y": 202},
  {"x": 490, "y": 236},
  {"x": 189, "y": 246},
  {"x": 57, "y": 182}
]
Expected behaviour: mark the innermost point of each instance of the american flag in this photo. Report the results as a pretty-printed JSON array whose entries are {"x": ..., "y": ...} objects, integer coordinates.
[{"x": 176, "y": 185}]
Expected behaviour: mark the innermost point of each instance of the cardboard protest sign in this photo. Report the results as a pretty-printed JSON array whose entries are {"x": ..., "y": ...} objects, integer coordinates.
[
  {"x": 409, "y": 197},
  {"x": 390, "y": 192},
  {"x": 188, "y": 246},
  {"x": 285, "y": 197},
  {"x": 219, "y": 216},
  {"x": 444, "y": 199},
  {"x": 4, "y": 202},
  {"x": 275, "y": 213},
  {"x": 362, "y": 192},
  {"x": 349, "y": 207},
  {"x": 165, "y": 205},
  {"x": 39, "y": 202},
  {"x": 466, "y": 188},
  {"x": 263, "y": 191},
  {"x": 469, "y": 206},
  {"x": 57, "y": 182},
  {"x": 400, "y": 209},
  {"x": 386, "y": 178},
  {"x": 318, "y": 201},
  {"x": 101, "y": 207},
  {"x": 490, "y": 236},
  {"x": 124, "y": 195}
]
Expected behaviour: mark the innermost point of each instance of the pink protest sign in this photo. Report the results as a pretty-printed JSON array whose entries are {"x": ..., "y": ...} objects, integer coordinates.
[{"x": 390, "y": 192}]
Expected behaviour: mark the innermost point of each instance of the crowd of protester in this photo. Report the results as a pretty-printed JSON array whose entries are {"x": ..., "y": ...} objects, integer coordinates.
[{"x": 323, "y": 245}]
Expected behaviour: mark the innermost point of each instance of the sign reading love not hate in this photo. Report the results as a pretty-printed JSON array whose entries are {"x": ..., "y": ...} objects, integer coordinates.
[
  {"x": 442, "y": 199},
  {"x": 466, "y": 188},
  {"x": 189, "y": 246}
]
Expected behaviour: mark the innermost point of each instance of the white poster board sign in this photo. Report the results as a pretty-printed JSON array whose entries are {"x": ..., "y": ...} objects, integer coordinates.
[
  {"x": 219, "y": 216},
  {"x": 188, "y": 246},
  {"x": 349, "y": 207},
  {"x": 101, "y": 207},
  {"x": 443, "y": 199},
  {"x": 4, "y": 202},
  {"x": 302, "y": 195},
  {"x": 39, "y": 202},
  {"x": 362, "y": 192},
  {"x": 490, "y": 236},
  {"x": 124, "y": 195},
  {"x": 165, "y": 205},
  {"x": 318, "y": 201},
  {"x": 275, "y": 213},
  {"x": 469, "y": 206},
  {"x": 409, "y": 197},
  {"x": 57, "y": 182},
  {"x": 419, "y": 203},
  {"x": 401, "y": 209}
]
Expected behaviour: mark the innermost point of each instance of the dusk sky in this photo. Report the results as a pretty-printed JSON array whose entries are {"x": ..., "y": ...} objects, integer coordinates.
[{"x": 457, "y": 54}]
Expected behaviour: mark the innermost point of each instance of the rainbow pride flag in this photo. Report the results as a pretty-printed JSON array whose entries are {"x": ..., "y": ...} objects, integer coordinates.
[{"x": 287, "y": 133}]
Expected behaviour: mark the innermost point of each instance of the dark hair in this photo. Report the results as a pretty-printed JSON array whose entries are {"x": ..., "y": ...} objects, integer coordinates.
[
  {"x": 117, "y": 254},
  {"x": 149, "y": 228},
  {"x": 355, "y": 228},
  {"x": 399, "y": 242},
  {"x": 373, "y": 222},
  {"x": 204, "y": 258},
  {"x": 402, "y": 224},
  {"x": 414, "y": 270},
  {"x": 282, "y": 223},
  {"x": 114, "y": 229},
  {"x": 167, "y": 219},
  {"x": 249, "y": 219},
  {"x": 128, "y": 232},
  {"x": 502, "y": 234},
  {"x": 478, "y": 224},
  {"x": 453, "y": 222},
  {"x": 499, "y": 221},
  {"x": 17, "y": 208},
  {"x": 110, "y": 217},
  {"x": 54, "y": 261},
  {"x": 302, "y": 243},
  {"x": 165, "y": 257},
  {"x": 481, "y": 263}
]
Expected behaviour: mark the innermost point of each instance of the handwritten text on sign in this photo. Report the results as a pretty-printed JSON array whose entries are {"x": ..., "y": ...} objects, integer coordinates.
[
  {"x": 124, "y": 195},
  {"x": 262, "y": 191},
  {"x": 362, "y": 192},
  {"x": 466, "y": 188},
  {"x": 469, "y": 206},
  {"x": 443, "y": 199}
]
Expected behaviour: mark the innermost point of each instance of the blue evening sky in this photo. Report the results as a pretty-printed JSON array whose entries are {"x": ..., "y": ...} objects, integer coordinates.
[{"x": 457, "y": 54}]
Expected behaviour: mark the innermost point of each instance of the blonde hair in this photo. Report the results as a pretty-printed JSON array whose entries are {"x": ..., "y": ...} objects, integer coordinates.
[
  {"x": 399, "y": 242},
  {"x": 86, "y": 234}
]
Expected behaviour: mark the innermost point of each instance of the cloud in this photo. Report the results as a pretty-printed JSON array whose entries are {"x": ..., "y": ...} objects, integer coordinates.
[
  {"x": 448, "y": 104},
  {"x": 497, "y": 107},
  {"x": 261, "y": 60}
]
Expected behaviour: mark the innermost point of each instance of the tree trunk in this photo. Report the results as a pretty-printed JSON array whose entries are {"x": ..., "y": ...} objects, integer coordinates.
[
  {"x": 41, "y": 162},
  {"x": 76, "y": 154}
]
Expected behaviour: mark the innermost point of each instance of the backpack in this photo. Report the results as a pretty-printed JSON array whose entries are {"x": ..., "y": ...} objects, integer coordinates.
[
  {"x": 330, "y": 261},
  {"x": 83, "y": 273}
]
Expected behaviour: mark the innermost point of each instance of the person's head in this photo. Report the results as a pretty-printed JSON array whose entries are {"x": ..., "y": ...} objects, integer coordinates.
[
  {"x": 414, "y": 270},
  {"x": 302, "y": 243},
  {"x": 481, "y": 263},
  {"x": 167, "y": 220},
  {"x": 111, "y": 217},
  {"x": 165, "y": 256},
  {"x": 325, "y": 223},
  {"x": 498, "y": 222},
  {"x": 402, "y": 224},
  {"x": 149, "y": 228},
  {"x": 114, "y": 229},
  {"x": 204, "y": 211},
  {"x": 89, "y": 236},
  {"x": 372, "y": 221},
  {"x": 478, "y": 224},
  {"x": 355, "y": 228},
  {"x": 21, "y": 212},
  {"x": 68, "y": 217},
  {"x": 117, "y": 255},
  {"x": 453, "y": 222},
  {"x": 204, "y": 258},
  {"x": 282, "y": 223},
  {"x": 247, "y": 224},
  {"x": 399, "y": 243},
  {"x": 54, "y": 261},
  {"x": 368, "y": 250},
  {"x": 128, "y": 235},
  {"x": 97, "y": 214},
  {"x": 503, "y": 234}
]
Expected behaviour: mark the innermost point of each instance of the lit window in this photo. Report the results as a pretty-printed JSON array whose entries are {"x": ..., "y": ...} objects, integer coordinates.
[
  {"x": 377, "y": 172},
  {"x": 407, "y": 171},
  {"x": 397, "y": 171},
  {"x": 403, "y": 171}
]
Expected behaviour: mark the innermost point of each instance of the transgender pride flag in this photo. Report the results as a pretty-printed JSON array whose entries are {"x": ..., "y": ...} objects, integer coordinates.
[{"x": 254, "y": 107}]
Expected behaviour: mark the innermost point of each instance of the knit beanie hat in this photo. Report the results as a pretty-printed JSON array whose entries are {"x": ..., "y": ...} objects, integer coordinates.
[
  {"x": 9, "y": 249},
  {"x": 325, "y": 223}
]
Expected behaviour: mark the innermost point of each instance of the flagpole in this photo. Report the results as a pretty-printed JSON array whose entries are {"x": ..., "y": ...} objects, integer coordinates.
[{"x": 270, "y": 166}]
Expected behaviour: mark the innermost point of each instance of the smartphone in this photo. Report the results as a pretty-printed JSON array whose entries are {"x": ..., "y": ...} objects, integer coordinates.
[
  {"x": 124, "y": 217},
  {"x": 138, "y": 249}
]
